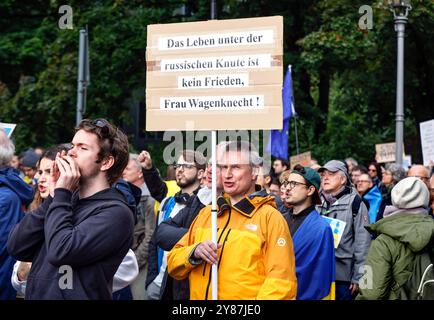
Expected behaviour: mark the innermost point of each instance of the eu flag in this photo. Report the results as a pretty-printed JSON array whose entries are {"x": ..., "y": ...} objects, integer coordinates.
[{"x": 278, "y": 142}]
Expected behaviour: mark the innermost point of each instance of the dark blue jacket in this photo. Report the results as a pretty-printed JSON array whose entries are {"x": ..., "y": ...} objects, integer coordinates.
[
  {"x": 91, "y": 236},
  {"x": 14, "y": 192}
]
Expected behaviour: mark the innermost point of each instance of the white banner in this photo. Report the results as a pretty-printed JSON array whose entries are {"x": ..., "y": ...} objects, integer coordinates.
[
  {"x": 216, "y": 40},
  {"x": 216, "y": 63},
  {"x": 247, "y": 102},
  {"x": 214, "y": 81},
  {"x": 427, "y": 141}
]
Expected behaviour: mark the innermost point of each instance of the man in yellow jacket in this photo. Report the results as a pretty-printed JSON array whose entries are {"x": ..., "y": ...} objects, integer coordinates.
[{"x": 255, "y": 254}]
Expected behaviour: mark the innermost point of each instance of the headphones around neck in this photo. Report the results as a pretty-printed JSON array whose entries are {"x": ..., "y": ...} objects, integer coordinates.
[{"x": 181, "y": 198}]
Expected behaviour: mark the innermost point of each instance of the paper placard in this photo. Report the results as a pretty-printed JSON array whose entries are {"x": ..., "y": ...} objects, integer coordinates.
[
  {"x": 338, "y": 227},
  {"x": 216, "y": 40},
  {"x": 215, "y": 72},
  {"x": 236, "y": 80},
  {"x": 252, "y": 61}
]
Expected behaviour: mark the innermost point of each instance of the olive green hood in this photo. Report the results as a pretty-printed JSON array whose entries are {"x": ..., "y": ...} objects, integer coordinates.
[{"x": 414, "y": 230}]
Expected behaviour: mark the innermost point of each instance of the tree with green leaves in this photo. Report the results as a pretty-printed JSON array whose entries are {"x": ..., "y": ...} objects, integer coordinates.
[{"x": 344, "y": 78}]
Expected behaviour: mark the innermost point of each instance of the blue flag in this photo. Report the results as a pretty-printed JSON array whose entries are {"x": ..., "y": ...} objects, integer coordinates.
[{"x": 278, "y": 142}]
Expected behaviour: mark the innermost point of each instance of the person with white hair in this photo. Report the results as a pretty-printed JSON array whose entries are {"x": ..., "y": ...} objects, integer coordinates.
[
  {"x": 392, "y": 174},
  {"x": 14, "y": 192},
  {"x": 144, "y": 227},
  {"x": 351, "y": 163}
]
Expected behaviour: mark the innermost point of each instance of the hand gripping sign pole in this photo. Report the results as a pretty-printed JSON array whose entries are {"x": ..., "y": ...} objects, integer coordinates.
[{"x": 214, "y": 270}]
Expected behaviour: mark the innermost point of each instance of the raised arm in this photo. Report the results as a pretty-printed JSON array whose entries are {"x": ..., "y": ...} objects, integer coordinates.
[{"x": 156, "y": 185}]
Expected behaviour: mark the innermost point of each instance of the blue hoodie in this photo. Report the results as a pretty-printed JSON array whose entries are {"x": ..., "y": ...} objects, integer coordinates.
[
  {"x": 374, "y": 198},
  {"x": 14, "y": 192}
]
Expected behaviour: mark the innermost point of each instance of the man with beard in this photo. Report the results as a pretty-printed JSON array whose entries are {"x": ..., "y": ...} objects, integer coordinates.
[
  {"x": 172, "y": 230},
  {"x": 189, "y": 171}
]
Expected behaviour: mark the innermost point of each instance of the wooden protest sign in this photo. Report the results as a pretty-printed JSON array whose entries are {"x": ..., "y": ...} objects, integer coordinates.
[
  {"x": 385, "y": 152},
  {"x": 427, "y": 141},
  {"x": 215, "y": 75},
  {"x": 302, "y": 158}
]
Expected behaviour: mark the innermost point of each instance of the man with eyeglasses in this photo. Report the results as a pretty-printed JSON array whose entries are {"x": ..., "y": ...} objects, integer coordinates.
[
  {"x": 341, "y": 201},
  {"x": 372, "y": 195},
  {"x": 81, "y": 233},
  {"x": 189, "y": 170},
  {"x": 169, "y": 232},
  {"x": 421, "y": 172},
  {"x": 312, "y": 236},
  {"x": 254, "y": 254}
]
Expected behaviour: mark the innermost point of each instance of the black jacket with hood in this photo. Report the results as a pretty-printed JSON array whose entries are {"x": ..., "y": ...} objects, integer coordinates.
[{"x": 76, "y": 245}]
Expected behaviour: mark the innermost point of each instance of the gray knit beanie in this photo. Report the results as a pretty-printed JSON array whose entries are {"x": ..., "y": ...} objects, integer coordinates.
[{"x": 410, "y": 193}]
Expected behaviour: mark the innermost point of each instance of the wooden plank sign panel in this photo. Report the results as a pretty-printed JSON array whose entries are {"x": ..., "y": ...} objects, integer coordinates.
[{"x": 215, "y": 75}]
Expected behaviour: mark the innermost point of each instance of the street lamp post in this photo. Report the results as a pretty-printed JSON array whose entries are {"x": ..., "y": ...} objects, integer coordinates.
[{"x": 400, "y": 9}]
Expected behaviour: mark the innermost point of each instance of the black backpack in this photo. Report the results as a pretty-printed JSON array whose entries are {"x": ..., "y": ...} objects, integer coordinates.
[{"x": 420, "y": 284}]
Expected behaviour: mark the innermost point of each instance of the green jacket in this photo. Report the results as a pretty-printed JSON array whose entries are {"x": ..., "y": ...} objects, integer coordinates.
[{"x": 390, "y": 258}]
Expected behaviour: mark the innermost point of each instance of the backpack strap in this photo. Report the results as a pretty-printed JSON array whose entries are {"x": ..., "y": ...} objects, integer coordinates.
[{"x": 355, "y": 206}]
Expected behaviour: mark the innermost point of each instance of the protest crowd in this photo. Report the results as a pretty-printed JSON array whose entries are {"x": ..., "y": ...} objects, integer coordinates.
[{"x": 89, "y": 220}]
